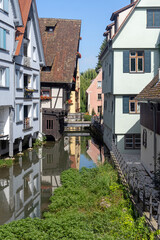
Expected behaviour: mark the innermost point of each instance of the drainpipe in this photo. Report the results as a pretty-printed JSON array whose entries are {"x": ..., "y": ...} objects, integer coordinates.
[{"x": 155, "y": 139}]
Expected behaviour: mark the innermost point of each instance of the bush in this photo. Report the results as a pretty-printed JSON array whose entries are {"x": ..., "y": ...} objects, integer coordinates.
[{"x": 87, "y": 117}]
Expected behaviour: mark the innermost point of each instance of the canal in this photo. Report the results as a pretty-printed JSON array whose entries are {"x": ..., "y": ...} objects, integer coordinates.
[{"x": 25, "y": 188}]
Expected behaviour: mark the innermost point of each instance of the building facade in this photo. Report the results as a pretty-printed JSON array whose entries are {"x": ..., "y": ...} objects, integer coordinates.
[
  {"x": 129, "y": 60},
  {"x": 95, "y": 97},
  {"x": 21, "y": 80},
  {"x": 149, "y": 100},
  {"x": 61, "y": 45}
]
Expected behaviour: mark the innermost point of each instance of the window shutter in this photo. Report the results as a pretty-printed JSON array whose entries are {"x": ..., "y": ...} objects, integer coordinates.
[
  {"x": 4, "y": 39},
  {"x": 7, "y": 77},
  {"x": 125, "y": 104},
  {"x": 157, "y": 18},
  {"x": 147, "y": 61},
  {"x": 149, "y": 18},
  {"x": 6, "y": 5},
  {"x": 1, "y": 38},
  {"x": 126, "y": 61},
  {"x": 37, "y": 82},
  {"x": 37, "y": 110},
  {"x": 17, "y": 113},
  {"x": 17, "y": 78}
]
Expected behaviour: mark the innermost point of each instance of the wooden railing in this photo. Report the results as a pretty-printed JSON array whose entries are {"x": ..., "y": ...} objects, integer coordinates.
[{"x": 146, "y": 201}]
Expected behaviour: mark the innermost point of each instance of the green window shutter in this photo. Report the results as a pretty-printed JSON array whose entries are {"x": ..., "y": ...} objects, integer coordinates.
[
  {"x": 1, "y": 37},
  {"x": 125, "y": 104},
  {"x": 7, "y": 77},
  {"x": 6, "y": 5},
  {"x": 4, "y": 39},
  {"x": 17, "y": 113},
  {"x": 157, "y": 18},
  {"x": 147, "y": 61},
  {"x": 126, "y": 61},
  {"x": 37, "y": 110},
  {"x": 17, "y": 78},
  {"x": 149, "y": 18}
]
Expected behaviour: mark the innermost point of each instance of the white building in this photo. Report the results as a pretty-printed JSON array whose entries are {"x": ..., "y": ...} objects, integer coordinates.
[
  {"x": 129, "y": 61},
  {"x": 149, "y": 100},
  {"x": 22, "y": 77},
  {"x": 10, "y": 17}
]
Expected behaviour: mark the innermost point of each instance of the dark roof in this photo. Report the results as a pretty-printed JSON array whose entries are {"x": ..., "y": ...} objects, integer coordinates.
[
  {"x": 109, "y": 26},
  {"x": 121, "y": 10},
  {"x": 151, "y": 92},
  {"x": 60, "y": 48}
]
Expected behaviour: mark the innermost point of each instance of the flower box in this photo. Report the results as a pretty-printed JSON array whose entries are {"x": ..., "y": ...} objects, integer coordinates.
[{"x": 45, "y": 98}]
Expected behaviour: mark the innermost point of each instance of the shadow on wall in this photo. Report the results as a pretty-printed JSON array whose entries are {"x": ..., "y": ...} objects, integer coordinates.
[
  {"x": 157, "y": 45},
  {"x": 135, "y": 129}
]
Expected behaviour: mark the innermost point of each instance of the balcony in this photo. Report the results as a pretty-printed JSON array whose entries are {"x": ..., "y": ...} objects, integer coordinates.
[
  {"x": 28, "y": 93},
  {"x": 27, "y": 61},
  {"x": 27, "y": 123}
]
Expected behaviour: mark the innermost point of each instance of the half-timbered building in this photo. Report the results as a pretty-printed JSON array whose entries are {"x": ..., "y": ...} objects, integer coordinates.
[{"x": 60, "y": 39}]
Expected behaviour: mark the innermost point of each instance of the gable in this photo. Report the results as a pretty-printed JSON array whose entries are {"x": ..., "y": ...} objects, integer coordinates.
[
  {"x": 134, "y": 32},
  {"x": 149, "y": 3},
  {"x": 28, "y": 9}
]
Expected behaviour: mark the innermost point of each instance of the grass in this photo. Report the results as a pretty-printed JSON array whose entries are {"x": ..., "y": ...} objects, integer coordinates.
[{"x": 90, "y": 205}]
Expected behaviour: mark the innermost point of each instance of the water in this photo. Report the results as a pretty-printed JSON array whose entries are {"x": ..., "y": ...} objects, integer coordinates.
[{"x": 25, "y": 188}]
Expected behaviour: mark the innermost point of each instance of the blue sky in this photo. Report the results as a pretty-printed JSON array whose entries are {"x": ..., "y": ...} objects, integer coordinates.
[{"x": 95, "y": 16}]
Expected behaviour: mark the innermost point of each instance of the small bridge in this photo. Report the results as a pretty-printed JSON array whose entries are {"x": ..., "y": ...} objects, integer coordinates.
[{"x": 77, "y": 124}]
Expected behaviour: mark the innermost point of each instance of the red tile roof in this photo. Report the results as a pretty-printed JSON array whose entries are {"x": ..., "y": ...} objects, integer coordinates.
[
  {"x": 60, "y": 48},
  {"x": 151, "y": 92},
  {"x": 25, "y": 6}
]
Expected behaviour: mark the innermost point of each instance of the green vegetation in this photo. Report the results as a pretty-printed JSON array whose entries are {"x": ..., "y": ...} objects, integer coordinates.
[
  {"x": 39, "y": 142},
  {"x": 86, "y": 78},
  {"x": 6, "y": 163},
  {"x": 90, "y": 206},
  {"x": 99, "y": 65},
  {"x": 87, "y": 117}
]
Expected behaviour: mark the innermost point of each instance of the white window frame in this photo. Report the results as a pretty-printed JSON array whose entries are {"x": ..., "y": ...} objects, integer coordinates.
[
  {"x": 19, "y": 116},
  {"x": 35, "y": 110},
  {"x": 99, "y": 84},
  {"x": 19, "y": 75}
]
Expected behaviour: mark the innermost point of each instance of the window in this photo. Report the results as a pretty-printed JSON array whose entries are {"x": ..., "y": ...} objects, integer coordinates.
[
  {"x": 137, "y": 61},
  {"x": 99, "y": 84},
  {"x": 145, "y": 138},
  {"x": 34, "y": 54},
  {"x": 2, "y": 38},
  {"x": 19, "y": 113},
  {"x": 4, "y": 5},
  {"x": 130, "y": 105},
  {"x": 99, "y": 109},
  {"x": 132, "y": 141},
  {"x": 50, "y": 29},
  {"x": 134, "y": 106},
  {"x": 35, "y": 82},
  {"x": 99, "y": 96},
  {"x": 46, "y": 93},
  {"x": 35, "y": 110},
  {"x": 4, "y": 77},
  {"x": 153, "y": 18},
  {"x": 103, "y": 75},
  {"x": 49, "y": 124},
  {"x": 19, "y": 79}
]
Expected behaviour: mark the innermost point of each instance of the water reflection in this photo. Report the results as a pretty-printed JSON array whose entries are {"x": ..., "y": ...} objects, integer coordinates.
[
  {"x": 20, "y": 189},
  {"x": 25, "y": 188}
]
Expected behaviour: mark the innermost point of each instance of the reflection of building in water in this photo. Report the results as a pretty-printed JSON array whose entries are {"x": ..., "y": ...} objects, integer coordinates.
[
  {"x": 95, "y": 152},
  {"x": 75, "y": 151},
  {"x": 54, "y": 161},
  {"x": 20, "y": 189}
]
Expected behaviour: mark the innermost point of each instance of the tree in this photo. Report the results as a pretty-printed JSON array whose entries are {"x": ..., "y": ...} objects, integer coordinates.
[
  {"x": 99, "y": 65},
  {"x": 86, "y": 78}
]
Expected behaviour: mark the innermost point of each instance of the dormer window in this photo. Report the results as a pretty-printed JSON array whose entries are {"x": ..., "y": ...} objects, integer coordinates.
[
  {"x": 46, "y": 69},
  {"x": 50, "y": 29}
]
